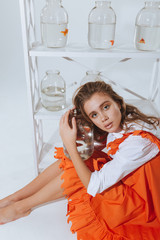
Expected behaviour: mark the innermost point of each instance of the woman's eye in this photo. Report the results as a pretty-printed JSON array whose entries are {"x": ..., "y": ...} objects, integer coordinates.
[
  {"x": 106, "y": 107},
  {"x": 94, "y": 115}
]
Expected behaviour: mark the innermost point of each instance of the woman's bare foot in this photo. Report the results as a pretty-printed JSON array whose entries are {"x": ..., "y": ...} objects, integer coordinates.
[{"x": 13, "y": 212}]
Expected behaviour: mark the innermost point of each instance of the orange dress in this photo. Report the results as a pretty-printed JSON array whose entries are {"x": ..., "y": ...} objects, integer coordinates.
[{"x": 128, "y": 210}]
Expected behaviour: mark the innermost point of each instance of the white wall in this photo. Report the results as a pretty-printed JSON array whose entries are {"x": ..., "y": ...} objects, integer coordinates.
[
  {"x": 11, "y": 58},
  {"x": 15, "y": 125},
  {"x": 12, "y": 77}
]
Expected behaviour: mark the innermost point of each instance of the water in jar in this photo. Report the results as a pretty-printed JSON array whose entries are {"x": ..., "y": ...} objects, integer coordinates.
[
  {"x": 53, "y": 98},
  {"x": 101, "y": 35},
  {"x": 147, "y": 38},
  {"x": 54, "y": 35},
  {"x": 84, "y": 141},
  {"x": 85, "y": 150}
]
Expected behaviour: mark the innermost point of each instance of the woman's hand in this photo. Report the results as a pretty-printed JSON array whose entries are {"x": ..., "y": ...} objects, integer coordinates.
[
  {"x": 67, "y": 133},
  {"x": 69, "y": 136}
]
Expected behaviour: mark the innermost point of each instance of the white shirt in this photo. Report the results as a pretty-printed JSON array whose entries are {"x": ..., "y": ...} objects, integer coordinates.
[{"x": 133, "y": 152}]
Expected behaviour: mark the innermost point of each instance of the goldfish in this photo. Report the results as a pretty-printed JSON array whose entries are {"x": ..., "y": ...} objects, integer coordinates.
[
  {"x": 112, "y": 42},
  {"x": 142, "y": 40},
  {"x": 65, "y": 32}
]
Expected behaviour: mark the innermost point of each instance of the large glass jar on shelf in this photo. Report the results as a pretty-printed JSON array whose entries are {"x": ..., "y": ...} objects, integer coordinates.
[
  {"x": 91, "y": 76},
  {"x": 101, "y": 25},
  {"x": 147, "y": 27},
  {"x": 54, "y": 21},
  {"x": 85, "y": 136},
  {"x": 53, "y": 91}
]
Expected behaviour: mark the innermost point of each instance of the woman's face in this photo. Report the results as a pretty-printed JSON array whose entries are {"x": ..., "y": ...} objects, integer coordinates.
[{"x": 104, "y": 112}]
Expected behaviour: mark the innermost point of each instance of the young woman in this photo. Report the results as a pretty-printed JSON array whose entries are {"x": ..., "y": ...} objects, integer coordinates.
[{"x": 115, "y": 194}]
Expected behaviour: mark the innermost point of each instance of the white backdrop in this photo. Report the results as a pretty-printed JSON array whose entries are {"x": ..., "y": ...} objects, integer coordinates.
[
  {"x": 134, "y": 74},
  {"x": 15, "y": 137},
  {"x": 16, "y": 159}
]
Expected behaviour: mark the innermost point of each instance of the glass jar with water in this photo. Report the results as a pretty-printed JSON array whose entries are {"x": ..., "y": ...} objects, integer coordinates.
[
  {"x": 54, "y": 21},
  {"x": 53, "y": 91},
  {"x": 91, "y": 76},
  {"x": 85, "y": 136},
  {"x": 101, "y": 25},
  {"x": 147, "y": 27}
]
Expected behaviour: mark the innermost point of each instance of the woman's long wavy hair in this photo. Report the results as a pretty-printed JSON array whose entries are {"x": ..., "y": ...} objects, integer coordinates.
[{"x": 129, "y": 112}]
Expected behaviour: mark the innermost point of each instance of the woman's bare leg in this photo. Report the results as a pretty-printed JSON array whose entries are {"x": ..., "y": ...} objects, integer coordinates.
[
  {"x": 39, "y": 182},
  {"x": 49, "y": 192}
]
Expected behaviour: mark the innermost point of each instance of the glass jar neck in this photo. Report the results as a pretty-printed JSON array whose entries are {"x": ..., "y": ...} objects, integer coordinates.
[
  {"x": 152, "y": 4},
  {"x": 53, "y": 2},
  {"x": 103, "y": 4},
  {"x": 50, "y": 72},
  {"x": 92, "y": 72}
]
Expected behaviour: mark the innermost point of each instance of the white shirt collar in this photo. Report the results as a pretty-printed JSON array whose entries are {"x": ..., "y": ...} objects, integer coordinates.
[{"x": 133, "y": 126}]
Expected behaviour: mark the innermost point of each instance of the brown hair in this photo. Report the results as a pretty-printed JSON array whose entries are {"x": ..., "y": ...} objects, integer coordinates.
[{"x": 129, "y": 112}]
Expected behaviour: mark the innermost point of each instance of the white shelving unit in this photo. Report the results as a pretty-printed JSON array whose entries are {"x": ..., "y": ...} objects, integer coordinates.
[
  {"x": 83, "y": 51},
  {"x": 33, "y": 50}
]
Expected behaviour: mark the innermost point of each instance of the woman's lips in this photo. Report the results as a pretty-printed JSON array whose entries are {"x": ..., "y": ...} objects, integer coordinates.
[{"x": 108, "y": 126}]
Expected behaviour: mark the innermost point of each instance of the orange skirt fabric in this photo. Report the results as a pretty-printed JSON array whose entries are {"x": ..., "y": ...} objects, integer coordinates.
[{"x": 128, "y": 210}]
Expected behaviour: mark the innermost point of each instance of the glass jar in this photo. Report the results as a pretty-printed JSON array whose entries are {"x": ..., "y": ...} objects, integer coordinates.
[
  {"x": 147, "y": 27},
  {"x": 91, "y": 76},
  {"x": 54, "y": 20},
  {"x": 53, "y": 91},
  {"x": 85, "y": 138},
  {"x": 100, "y": 139},
  {"x": 101, "y": 25}
]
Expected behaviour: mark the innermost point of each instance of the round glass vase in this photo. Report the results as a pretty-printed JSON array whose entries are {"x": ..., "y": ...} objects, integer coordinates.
[
  {"x": 85, "y": 136},
  {"x": 101, "y": 26},
  {"x": 54, "y": 21},
  {"x": 91, "y": 76},
  {"x": 53, "y": 91},
  {"x": 147, "y": 27}
]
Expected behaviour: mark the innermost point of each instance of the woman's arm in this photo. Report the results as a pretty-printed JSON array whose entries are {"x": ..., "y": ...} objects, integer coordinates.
[
  {"x": 69, "y": 136},
  {"x": 133, "y": 152}
]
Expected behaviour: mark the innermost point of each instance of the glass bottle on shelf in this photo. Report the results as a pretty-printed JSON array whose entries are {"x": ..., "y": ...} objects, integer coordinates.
[
  {"x": 53, "y": 91},
  {"x": 101, "y": 25},
  {"x": 85, "y": 137},
  {"x": 54, "y": 21},
  {"x": 91, "y": 76},
  {"x": 147, "y": 27}
]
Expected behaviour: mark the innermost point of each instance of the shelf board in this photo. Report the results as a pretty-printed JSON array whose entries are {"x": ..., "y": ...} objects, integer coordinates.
[
  {"x": 44, "y": 114},
  {"x": 123, "y": 51}
]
